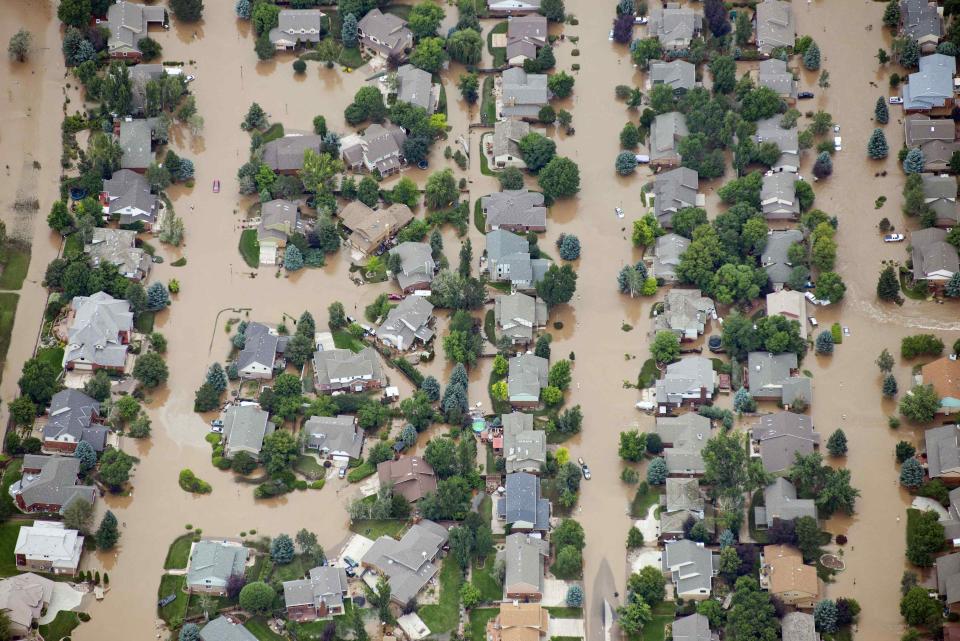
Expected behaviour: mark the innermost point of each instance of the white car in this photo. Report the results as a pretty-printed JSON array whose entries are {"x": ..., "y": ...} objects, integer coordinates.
[
  {"x": 893, "y": 238},
  {"x": 836, "y": 128},
  {"x": 610, "y": 36},
  {"x": 896, "y": 100},
  {"x": 641, "y": 20},
  {"x": 619, "y": 212},
  {"x": 813, "y": 321},
  {"x": 191, "y": 78},
  {"x": 837, "y": 143}
]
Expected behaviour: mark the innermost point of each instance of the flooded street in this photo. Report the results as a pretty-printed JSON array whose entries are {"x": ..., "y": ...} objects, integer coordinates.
[{"x": 219, "y": 51}]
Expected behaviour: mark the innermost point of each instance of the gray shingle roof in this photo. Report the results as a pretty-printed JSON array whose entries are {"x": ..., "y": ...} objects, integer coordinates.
[
  {"x": 341, "y": 366},
  {"x": 932, "y": 86},
  {"x": 407, "y": 323},
  {"x": 411, "y": 477},
  {"x": 212, "y": 563},
  {"x": 685, "y": 312},
  {"x": 260, "y": 347},
  {"x": 506, "y": 137},
  {"x": 781, "y": 502},
  {"x": 70, "y": 414},
  {"x": 136, "y": 142},
  {"x": 56, "y": 484},
  {"x": 278, "y": 219},
  {"x": 673, "y": 25},
  {"x": 767, "y": 371},
  {"x": 774, "y": 257},
  {"x": 519, "y": 315},
  {"x": 223, "y": 629},
  {"x": 94, "y": 336},
  {"x": 524, "y": 559},
  {"x": 415, "y": 86},
  {"x": 778, "y": 196},
  {"x": 326, "y": 585},
  {"x": 678, "y": 74},
  {"x": 523, "y": 507},
  {"x": 509, "y": 259},
  {"x": 408, "y": 563},
  {"x": 526, "y": 377},
  {"x": 244, "y": 428},
  {"x": 787, "y": 140},
  {"x": 775, "y": 25},
  {"x": 694, "y": 627},
  {"x": 297, "y": 25},
  {"x": 523, "y": 94},
  {"x": 525, "y": 34},
  {"x": 128, "y": 23},
  {"x": 943, "y": 450},
  {"x": 775, "y": 75},
  {"x": 685, "y": 436},
  {"x": 515, "y": 208},
  {"x": 417, "y": 266},
  {"x": 286, "y": 154},
  {"x": 783, "y": 435},
  {"x": 690, "y": 566},
  {"x": 130, "y": 197},
  {"x": 665, "y": 134},
  {"x": 524, "y": 448},
  {"x": 683, "y": 494},
  {"x": 920, "y": 19},
  {"x": 336, "y": 435},
  {"x": 933, "y": 257},
  {"x": 948, "y": 577},
  {"x": 687, "y": 379},
  {"x": 118, "y": 247},
  {"x": 667, "y": 252},
  {"x": 674, "y": 190},
  {"x": 385, "y": 33},
  {"x": 919, "y": 129}
]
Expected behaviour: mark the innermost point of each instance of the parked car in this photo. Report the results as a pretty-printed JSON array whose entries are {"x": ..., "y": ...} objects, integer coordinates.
[
  {"x": 715, "y": 345},
  {"x": 191, "y": 78},
  {"x": 350, "y": 562},
  {"x": 642, "y": 159},
  {"x": 586, "y": 471},
  {"x": 641, "y": 20},
  {"x": 342, "y": 473},
  {"x": 893, "y": 238},
  {"x": 216, "y": 422},
  {"x": 896, "y": 100},
  {"x": 610, "y": 35},
  {"x": 805, "y": 95},
  {"x": 837, "y": 143},
  {"x": 813, "y": 321}
]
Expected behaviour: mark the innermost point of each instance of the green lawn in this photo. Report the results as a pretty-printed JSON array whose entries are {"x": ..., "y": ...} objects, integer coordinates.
[
  {"x": 8, "y": 539},
  {"x": 250, "y": 247},
  {"x": 643, "y": 499},
  {"x": 52, "y": 355},
  {"x": 351, "y": 58},
  {"x": 499, "y": 53},
  {"x": 663, "y": 615},
  {"x": 443, "y": 616},
  {"x": 8, "y": 311},
  {"x": 486, "y": 508},
  {"x": 342, "y": 339},
  {"x": 375, "y": 528},
  {"x": 61, "y": 626},
  {"x": 477, "y": 626},
  {"x": 15, "y": 266},
  {"x": 308, "y": 466},
  {"x": 259, "y": 628},
  {"x": 483, "y": 579},
  {"x": 296, "y": 569},
  {"x": 648, "y": 374},
  {"x": 173, "y": 584},
  {"x": 480, "y": 218},
  {"x": 73, "y": 246},
  {"x": 490, "y": 326},
  {"x": 144, "y": 322},
  {"x": 399, "y": 10},
  {"x": 361, "y": 472},
  {"x": 565, "y": 613},
  {"x": 488, "y": 104},
  {"x": 313, "y": 631},
  {"x": 484, "y": 165},
  {"x": 273, "y": 132},
  {"x": 179, "y": 552}
]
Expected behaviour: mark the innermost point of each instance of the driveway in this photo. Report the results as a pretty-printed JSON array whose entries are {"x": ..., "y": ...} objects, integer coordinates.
[
  {"x": 565, "y": 628},
  {"x": 64, "y": 597},
  {"x": 649, "y": 525},
  {"x": 555, "y": 592},
  {"x": 928, "y": 504}
]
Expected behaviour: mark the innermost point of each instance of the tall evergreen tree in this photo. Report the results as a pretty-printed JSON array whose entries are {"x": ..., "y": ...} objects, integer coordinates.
[
  {"x": 877, "y": 147},
  {"x": 881, "y": 113},
  {"x": 888, "y": 287}
]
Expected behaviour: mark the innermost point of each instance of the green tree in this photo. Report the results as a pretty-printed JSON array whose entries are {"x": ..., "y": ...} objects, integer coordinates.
[
  {"x": 665, "y": 347},
  {"x": 553, "y": 10},
  {"x": 561, "y": 84},
  {"x": 257, "y": 597},
  {"x": 280, "y": 449},
  {"x": 23, "y": 411},
  {"x": 108, "y": 533},
  {"x": 643, "y": 51},
  {"x": 920, "y": 404},
  {"x": 151, "y": 370},
  {"x": 536, "y": 150},
  {"x": 633, "y": 445},
  {"x": 830, "y": 287},
  {"x": 633, "y": 616},
  {"x": 74, "y": 13},
  {"x": 723, "y": 70},
  {"x": 752, "y": 616},
  {"x": 115, "y": 466},
  {"x": 428, "y": 55},
  {"x": 837, "y": 443},
  {"x": 469, "y": 86},
  {"x": 647, "y": 585},
  {"x": 560, "y": 178},
  {"x": 568, "y": 564},
  {"x": 557, "y": 285},
  {"x": 78, "y": 515},
  {"x": 657, "y": 471},
  {"x": 824, "y": 342},
  {"x": 19, "y": 45},
  {"x": 629, "y": 136},
  {"x": 685, "y": 220},
  {"x": 917, "y": 607},
  {"x": 281, "y": 549},
  {"x": 904, "y": 450},
  {"x": 187, "y": 10},
  {"x": 911, "y": 474},
  {"x": 877, "y": 146},
  {"x": 888, "y": 286},
  {"x": 465, "y": 46},
  {"x": 86, "y": 455},
  {"x": 725, "y": 463},
  {"x": 38, "y": 381},
  {"x": 924, "y": 538},
  {"x": 913, "y": 162},
  {"x": 424, "y": 19},
  {"x": 441, "y": 189},
  {"x": 891, "y": 14},
  {"x": 811, "y": 57},
  {"x": 626, "y": 163}
]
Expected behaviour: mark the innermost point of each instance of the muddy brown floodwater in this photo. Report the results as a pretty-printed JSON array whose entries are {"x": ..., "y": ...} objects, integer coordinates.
[{"x": 229, "y": 78}]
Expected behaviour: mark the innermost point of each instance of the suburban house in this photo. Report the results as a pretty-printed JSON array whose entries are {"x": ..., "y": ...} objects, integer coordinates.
[
  {"x": 341, "y": 369},
  {"x": 775, "y": 258},
  {"x": 526, "y": 377},
  {"x": 685, "y": 313},
  {"x": 24, "y": 598},
  {"x": 798, "y": 626},
  {"x": 921, "y": 20},
  {"x": 684, "y": 438},
  {"x": 681, "y": 501},
  {"x": 679, "y": 75},
  {"x": 665, "y": 134},
  {"x": 126, "y": 196},
  {"x": 98, "y": 333},
  {"x": 934, "y": 259},
  {"x": 408, "y": 563},
  {"x": 515, "y": 210},
  {"x": 944, "y": 375},
  {"x": 506, "y": 143},
  {"x": 525, "y": 36},
  {"x": 774, "y": 74},
  {"x": 71, "y": 418},
  {"x": 936, "y": 157},
  {"x": 519, "y": 622},
  {"x": 675, "y": 190},
  {"x": 285, "y": 155},
  {"x": 935, "y": 137},
  {"x": 244, "y": 428},
  {"x": 118, "y": 247},
  {"x": 508, "y": 259},
  {"x": 369, "y": 228},
  {"x": 336, "y": 437},
  {"x": 379, "y": 148},
  {"x": 675, "y": 26},
  {"x": 693, "y": 627},
  {"x": 667, "y": 252},
  {"x": 525, "y": 558},
  {"x": 128, "y": 23},
  {"x": 49, "y": 484},
  {"x": 523, "y": 507},
  {"x": 689, "y": 381},
  {"x": 778, "y": 438},
  {"x": 48, "y": 546},
  {"x": 774, "y": 26},
  {"x": 135, "y": 137},
  {"x": 140, "y": 75},
  {"x": 786, "y": 140},
  {"x": 775, "y": 377},
  {"x": 524, "y": 448},
  {"x": 212, "y": 563},
  {"x": 410, "y": 476},
  {"x": 410, "y": 321},
  {"x": 791, "y": 305},
  {"x": 940, "y": 195},
  {"x": 512, "y": 7},
  {"x": 297, "y": 27},
  {"x": 780, "y": 503},
  {"x": 948, "y": 579},
  {"x": 522, "y": 95},
  {"x": 931, "y": 88},
  {"x": 258, "y": 358},
  {"x": 951, "y": 524},
  {"x": 319, "y": 596},
  {"x": 416, "y": 266},
  {"x": 690, "y": 567},
  {"x": 519, "y": 316},
  {"x": 778, "y": 196},
  {"x": 279, "y": 219},
  {"x": 225, "y": 629},
  {"x": 384, "y": 34},
  {"x": 943, "y": 453},
  {"x": 415, "y": 86},
  {"x": 784, "y": 574}
]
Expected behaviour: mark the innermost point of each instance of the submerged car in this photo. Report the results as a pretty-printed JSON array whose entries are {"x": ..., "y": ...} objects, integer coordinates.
[
  {"x": 893, "y": 238},
  {"x": 896, "y": 100},
  {"x": 805, "y": 95}
]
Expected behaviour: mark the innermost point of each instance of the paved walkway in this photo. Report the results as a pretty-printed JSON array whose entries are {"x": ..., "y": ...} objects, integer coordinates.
[
  {"x": 64, "y": 597},
  {"x": 565, "y": 628}
]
